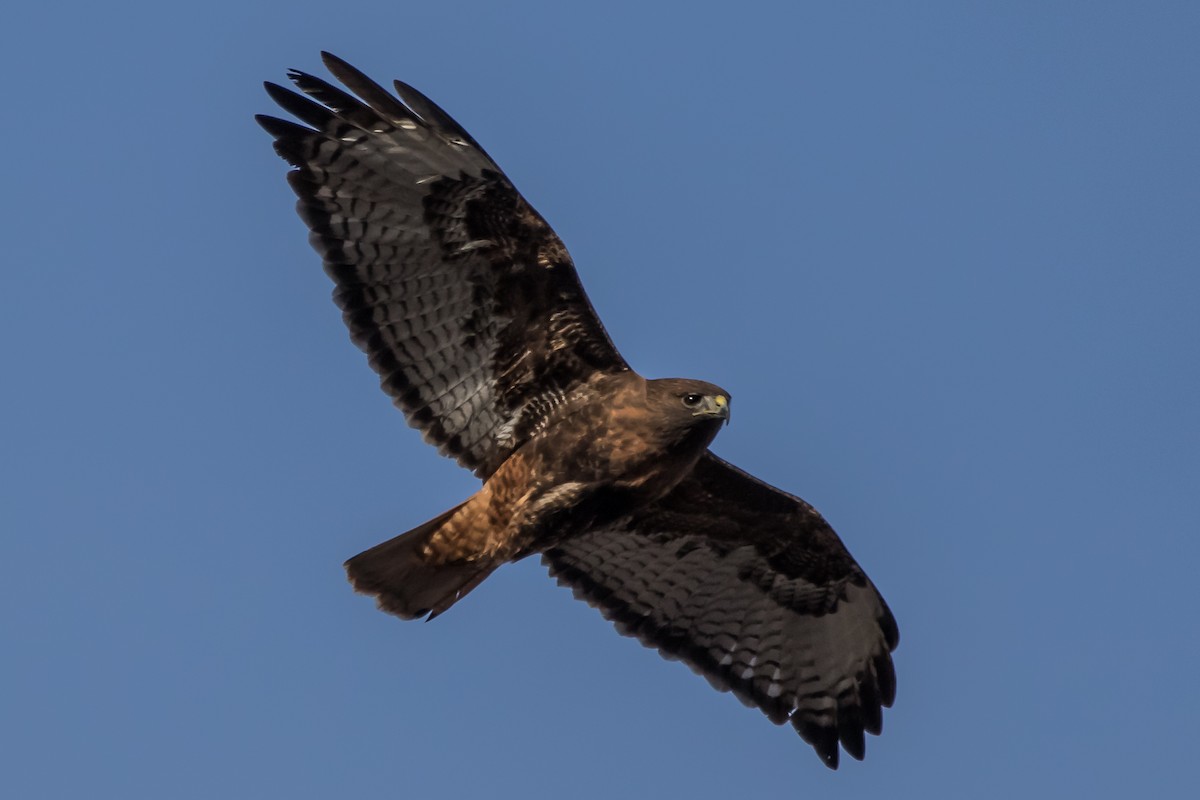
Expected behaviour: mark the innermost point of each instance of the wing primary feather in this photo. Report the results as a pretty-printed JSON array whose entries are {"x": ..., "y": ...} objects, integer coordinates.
[
  {"x": 315, "y": 114},
  {"x": 432, "y": 113},
  {"x": 343, "y": 104},
  {"x": 290, "y": 139},
  {"x": 850, "y": 728},
  {"x": 371, "y": 92},
  {"x": 281, "y": 128},
  {"x": 872, "y": 710},
  {"x": 885, "y": 672},
  {"x": 823, "y": 738}
]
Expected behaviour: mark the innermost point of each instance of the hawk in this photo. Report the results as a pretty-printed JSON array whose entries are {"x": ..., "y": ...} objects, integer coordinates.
[{"x": 469, "y": 308}]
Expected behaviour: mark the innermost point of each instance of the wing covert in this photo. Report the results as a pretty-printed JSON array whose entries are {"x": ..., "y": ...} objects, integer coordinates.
[
  {"x": 465, "y": 301},
  {"x": 752, "y": 589}
]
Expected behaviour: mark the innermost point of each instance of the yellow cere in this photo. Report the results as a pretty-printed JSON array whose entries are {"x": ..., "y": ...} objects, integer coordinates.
[{"x": 722, "y": 401}]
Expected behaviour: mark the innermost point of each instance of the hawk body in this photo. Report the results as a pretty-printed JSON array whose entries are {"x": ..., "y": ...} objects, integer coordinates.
[
  {"x": 614, "y": 445},
  {"x": 470, "y": 310}
]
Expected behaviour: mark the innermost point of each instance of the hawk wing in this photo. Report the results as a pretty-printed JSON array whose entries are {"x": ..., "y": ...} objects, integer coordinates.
[
  {"x": 751, "y": 588},
  {"x": 465, "y": 301}
]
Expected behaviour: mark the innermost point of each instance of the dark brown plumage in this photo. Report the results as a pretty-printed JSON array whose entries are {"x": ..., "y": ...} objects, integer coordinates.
[{"x": 469, "y": 309}]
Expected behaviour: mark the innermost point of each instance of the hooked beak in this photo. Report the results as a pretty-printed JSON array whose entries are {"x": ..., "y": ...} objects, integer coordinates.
[{"x": 714, "y": 406}]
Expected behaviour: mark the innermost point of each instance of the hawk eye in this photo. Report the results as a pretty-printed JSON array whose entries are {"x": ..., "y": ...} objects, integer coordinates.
[{"x": 692, "y": 400}]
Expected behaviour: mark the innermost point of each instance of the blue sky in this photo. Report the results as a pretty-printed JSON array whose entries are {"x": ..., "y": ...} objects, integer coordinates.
[{"x": 943, "y": 254}]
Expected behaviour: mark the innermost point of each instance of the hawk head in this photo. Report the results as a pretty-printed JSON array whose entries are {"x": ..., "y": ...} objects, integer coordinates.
[{"x": 688, "y": 409}]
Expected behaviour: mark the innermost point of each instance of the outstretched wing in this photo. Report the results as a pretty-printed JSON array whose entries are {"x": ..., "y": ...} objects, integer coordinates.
[
  {"x": 751, "y": 588},
  {"x": 465, "y": 301}
]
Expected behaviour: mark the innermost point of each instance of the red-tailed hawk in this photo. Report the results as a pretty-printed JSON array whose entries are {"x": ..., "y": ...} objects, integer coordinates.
[{"x": 469, "y": 308}]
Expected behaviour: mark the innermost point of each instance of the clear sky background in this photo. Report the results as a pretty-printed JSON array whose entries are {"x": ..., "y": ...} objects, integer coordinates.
[{"x": 944, "y": 255}]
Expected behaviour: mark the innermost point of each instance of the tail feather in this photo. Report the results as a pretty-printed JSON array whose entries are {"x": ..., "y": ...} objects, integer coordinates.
[{"x": 404, "y": 583}]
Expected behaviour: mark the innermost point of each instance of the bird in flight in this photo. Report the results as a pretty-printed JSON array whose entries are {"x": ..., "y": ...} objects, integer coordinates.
[{"x": 470, "y": 310}]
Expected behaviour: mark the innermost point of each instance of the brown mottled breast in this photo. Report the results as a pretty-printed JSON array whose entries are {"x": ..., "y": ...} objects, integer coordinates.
[{"x": 615, "y": 445}]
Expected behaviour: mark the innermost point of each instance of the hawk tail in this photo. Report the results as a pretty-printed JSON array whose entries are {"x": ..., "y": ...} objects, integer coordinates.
[{"x": 404, "y": 583}]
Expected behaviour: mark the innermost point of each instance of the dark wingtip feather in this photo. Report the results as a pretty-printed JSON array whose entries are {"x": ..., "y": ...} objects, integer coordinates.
[
  {"x": 290, "y": 138},
  {"x": 433, "y": 114},
  {"x": 280, "y": 128},
  {"x": 368, "y": 90},
  {"x": 887, "y": 621},
  {"x": 824, "y": 739},
  {"x": 267, "y": 122},
  {"x": 342, "y": 103},
  {"x": 872, "y": 711},
  {"x": 339, "y": 66},
  {"x": 885, "y": 673},
  {"x": 299, "y": 106},
  {"x": 850, "y": 731}
]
